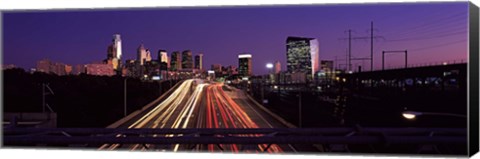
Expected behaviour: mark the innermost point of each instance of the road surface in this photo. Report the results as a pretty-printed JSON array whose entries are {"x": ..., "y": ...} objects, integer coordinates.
[{"x": 195, "y": 104}]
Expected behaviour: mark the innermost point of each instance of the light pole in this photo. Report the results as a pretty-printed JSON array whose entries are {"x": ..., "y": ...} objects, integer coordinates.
[
  {"x": 125, "y": 97},
  {"x": 44, "y": 104},
  {"x": 413, "y": 114},
  {"x": 300, "y": 109},
  {"x": 269, "y": 67}
]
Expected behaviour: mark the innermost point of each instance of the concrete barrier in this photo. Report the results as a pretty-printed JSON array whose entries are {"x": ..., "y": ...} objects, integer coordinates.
[
  {"x": 30, "y": 119},
  {"x": 149, "y": 105},
  {"x": 280, "y": 119}
]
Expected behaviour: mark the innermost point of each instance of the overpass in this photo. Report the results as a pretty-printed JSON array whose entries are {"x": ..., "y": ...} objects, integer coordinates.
[
  {"x": 440, "y": 76},
  {"x": 330, "y": 137}
]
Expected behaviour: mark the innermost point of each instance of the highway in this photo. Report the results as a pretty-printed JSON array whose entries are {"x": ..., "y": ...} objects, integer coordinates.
[
  {"x": 224, "y": 112},
  {"x": 195, "y": 104},
  {"x": 174, "y": 112}
]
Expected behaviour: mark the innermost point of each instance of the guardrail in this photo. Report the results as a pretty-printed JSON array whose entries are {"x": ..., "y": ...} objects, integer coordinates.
[{"x": 14, "y": 136}]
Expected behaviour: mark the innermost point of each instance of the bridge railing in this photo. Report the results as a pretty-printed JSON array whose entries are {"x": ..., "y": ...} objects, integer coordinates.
[
  {"x": 434, "y": 63},
  {"x": 16, "y": 136}
]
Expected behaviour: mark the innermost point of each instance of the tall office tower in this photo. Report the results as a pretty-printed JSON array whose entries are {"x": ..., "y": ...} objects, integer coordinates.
[
  {"x": 111, "y": 52},
  {"x": 148, "y": 56},
  {"x": 217, "y": 68},
  {"x": 117, "y": 42},
  {"x": 199, "y": 61},
  {"x": 176, "y": 61},
  {"x": 114, "y": 52},
  {"x": 245, "y": 64},
  {"x": 302, "y": 56},
  {"x": 163, "y": 58},
  {"x": 277, "y": 67},
  {"x": 187, "y": 60},
  {"x": 141, "y": 54},
  {"x": 231, "y": 70}
]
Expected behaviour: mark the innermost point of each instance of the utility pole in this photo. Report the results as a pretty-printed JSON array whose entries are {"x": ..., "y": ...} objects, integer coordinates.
[
  {"x": 371, "y": 54},
  {"x": 346, "y": 60},
  {"x": 349, "y": 49},
  {"x": 371, "y": 46},
  {"x": 371, "y": 37}
]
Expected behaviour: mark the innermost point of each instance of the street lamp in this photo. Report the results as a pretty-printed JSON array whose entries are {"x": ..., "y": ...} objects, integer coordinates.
[
  {"x": 269, "y": 65},
  {"x": 413, "y": 114},
  {"x": 125, "y": 97},
  {"x": 270, "y": 70}
]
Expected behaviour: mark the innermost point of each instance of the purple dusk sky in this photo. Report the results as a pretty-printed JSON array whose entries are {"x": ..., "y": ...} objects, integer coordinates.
[{"x": 431, "y": 32}]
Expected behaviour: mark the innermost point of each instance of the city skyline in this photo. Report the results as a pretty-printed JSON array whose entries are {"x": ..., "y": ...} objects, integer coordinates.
[{"x": 430, "y": 31}]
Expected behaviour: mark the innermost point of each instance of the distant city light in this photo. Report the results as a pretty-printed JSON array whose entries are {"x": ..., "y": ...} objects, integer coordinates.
[
  {"x": 269, "y": 65},
  {"x": 445, "y": 63},
  {"x": 408, "y": 116},
  {"x": 156, "y": 78},
  {"x": 245, "y": 78},
  {"x": 245, "y": 56},
  {"x": 211, "y": 72}
]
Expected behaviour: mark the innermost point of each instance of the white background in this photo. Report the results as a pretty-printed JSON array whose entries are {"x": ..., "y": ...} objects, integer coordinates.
[{"x": 65, "y": 4}]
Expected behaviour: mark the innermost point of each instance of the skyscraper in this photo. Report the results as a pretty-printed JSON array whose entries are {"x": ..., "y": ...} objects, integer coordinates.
[
  {"x": 117, "y": 42},
  {"x": 245, "y": 64},
  {"x": 277, "y": 67},
  {"x": 302, "y": 56},
  {"x": 148, "y": 56},
  {"x": 199, "y": 61},
  {"x": 187, "y": 60},
  {"x": 176, "y": 61},
  {"x": 114, "y": 53},
  {"x": 163, "y": 58},
  {"x": 218, "y": 69},
  {"x": 111, "y": 52},
  {"x": 141, "y": 54}
]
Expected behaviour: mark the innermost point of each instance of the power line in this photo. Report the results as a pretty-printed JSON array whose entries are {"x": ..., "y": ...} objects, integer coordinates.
[
  {"x": 422, "y": 12},
  {"x": 431, "y": 37},
  {"x": 423, "y": 23},
  {"x": 441, "y": 20},
  {"x": 436, "y": 28},
  {"x": 439, "y": 45}
]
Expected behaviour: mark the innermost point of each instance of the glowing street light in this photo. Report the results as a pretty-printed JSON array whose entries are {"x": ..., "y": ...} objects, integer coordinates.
[
  {"x": 269, "y": 65},
  {"x": 410, "y": 114},
  {"x": 413, "y": 114}
]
